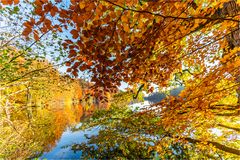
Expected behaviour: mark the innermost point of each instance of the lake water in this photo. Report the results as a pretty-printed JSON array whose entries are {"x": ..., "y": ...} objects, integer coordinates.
[
  {"x": 46, "y": 132},
  {"x": 63, "y": 150},
  {"x": 43, "y": 132},
  {"x": 63, "y": 147}
]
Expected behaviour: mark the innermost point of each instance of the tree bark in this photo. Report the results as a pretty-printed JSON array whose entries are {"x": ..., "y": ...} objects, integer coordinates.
[
  {"x": 217, "y": 145},
  {"x": 231, "y": 8},
  {"x": 228, "y": 127}
]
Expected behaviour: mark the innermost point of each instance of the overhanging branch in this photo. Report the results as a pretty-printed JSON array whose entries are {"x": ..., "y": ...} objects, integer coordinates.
[{"x": 216, "y": 145}]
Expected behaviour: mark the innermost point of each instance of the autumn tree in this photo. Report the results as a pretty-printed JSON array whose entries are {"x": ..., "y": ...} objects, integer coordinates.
[
  {"x": 150, "y": 42},
  {"x": 27, "y": 78},
  {"x": 25, "y": 84}
]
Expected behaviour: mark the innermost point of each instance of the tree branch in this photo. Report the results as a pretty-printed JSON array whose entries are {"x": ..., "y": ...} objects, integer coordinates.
[
  {"x": 217, "y": 145},
  {"x": 174, "y": 17},
  {"x": 140, "y": 88},
  {"x": 228, "y": 127}
]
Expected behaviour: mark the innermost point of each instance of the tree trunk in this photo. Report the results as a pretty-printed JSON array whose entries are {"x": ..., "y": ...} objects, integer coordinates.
[
  {"x": 217, "y": 145},
  {"x": 231, "y": 8},
  {"x": 228, "y": 127}
]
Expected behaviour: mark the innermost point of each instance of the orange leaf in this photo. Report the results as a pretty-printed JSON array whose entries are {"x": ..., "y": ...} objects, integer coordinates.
[
  {"x": 52, "y": 12},
  {"x": 59, "y": 29},
  {"x": 35, "y": 35},
  {"x": 27, "y": 31},
  {"x": 16, "y": 1},
  {"x": 7, "y": 2},
  {"x": 124, "y": 18},
  {"x": 48, "y": 23}
]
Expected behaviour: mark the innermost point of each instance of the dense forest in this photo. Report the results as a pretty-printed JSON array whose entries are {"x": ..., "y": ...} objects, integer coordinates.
[{"x": 149, "y": 79}]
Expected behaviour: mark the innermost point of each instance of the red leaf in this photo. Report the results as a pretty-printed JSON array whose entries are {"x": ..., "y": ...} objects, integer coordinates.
[
  {"x": 72, "y": 53},
  {"x": 69, "y": 69},
  {"x": 75, "y": 73},
  {"x": 74, "y": 33},
  {"x": 68, "y": 63}
]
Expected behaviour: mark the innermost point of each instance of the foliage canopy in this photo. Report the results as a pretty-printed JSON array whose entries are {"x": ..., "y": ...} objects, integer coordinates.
[{"x": 195, "y": 43}]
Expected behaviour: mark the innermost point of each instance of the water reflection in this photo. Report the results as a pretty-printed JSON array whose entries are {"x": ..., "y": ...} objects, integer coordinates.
[
  {"x": 38, "y": 131},
  {"x": 63, "y": 149}
]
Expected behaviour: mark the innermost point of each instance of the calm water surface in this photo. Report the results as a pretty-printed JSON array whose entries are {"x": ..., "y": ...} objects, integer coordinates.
[
  {"x": 43, "y": 132},
  {"x": 63, "y": 150}
]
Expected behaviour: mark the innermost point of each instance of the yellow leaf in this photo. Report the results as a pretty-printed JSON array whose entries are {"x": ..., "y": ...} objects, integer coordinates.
[{"x": 82, "y": 5}]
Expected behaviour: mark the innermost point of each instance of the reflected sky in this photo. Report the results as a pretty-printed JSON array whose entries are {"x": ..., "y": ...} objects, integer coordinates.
[{"x": 62, "y": 150}]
